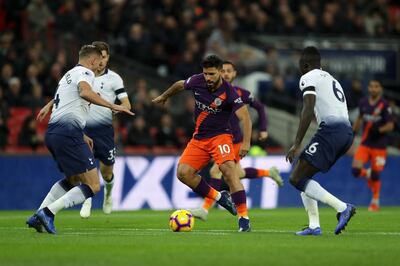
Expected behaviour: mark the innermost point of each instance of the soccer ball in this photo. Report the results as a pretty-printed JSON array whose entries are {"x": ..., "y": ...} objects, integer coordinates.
[{"x": 181, "y": 221}]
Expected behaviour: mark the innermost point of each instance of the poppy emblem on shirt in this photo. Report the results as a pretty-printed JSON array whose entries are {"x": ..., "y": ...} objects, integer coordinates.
[{"x": 217, "y": 101}]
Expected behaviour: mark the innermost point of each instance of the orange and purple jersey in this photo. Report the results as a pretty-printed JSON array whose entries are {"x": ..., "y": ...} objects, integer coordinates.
[
  {"x": 262, "y": 118},
  {"x": 374, "y": 116},
  {"x": 213, "y": 110}
]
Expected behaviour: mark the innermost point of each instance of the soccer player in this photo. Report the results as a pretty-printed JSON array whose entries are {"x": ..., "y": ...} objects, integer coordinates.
[
  {"x": 322, "y": 95},
  {"x": 229, "y": 74},
  {"x": 67, "y": 143},
  {"x": 216, "y": 101},
  {"x": 109, "y": 86},
  {"x": 375, "y": 116}
]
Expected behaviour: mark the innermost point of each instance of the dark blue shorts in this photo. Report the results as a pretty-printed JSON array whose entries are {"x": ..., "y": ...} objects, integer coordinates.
[
  {"x": 72, "y": 154},
  {"x": 104, "y": 148},
  {"x": 328, "y": 145}
]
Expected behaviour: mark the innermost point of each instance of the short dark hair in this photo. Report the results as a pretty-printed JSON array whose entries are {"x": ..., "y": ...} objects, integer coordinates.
[
  {"x": 102, "y": 46},
  {"x": 212, "y": 61},
  {"x": 311, "y": 56},
  {"x": 89, "y": 49},
  {"x": 227, "y": 62}
]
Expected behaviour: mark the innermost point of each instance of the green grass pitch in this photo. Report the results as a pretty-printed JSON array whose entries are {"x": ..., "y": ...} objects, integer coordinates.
[{"x": 143, "y": 238}]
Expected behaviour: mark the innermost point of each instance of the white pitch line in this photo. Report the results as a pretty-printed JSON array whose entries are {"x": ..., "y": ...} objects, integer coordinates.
[{"x": 149, "y": 231}]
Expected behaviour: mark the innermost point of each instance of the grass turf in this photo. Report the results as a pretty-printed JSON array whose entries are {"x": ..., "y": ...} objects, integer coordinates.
[{"x": 143, "y": 238}]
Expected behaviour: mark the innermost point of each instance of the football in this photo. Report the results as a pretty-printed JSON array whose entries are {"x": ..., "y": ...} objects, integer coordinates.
[{"x": 181, "y": 221}]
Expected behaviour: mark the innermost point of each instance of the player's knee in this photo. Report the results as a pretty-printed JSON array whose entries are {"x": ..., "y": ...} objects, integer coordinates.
[
  {"x": 356, "y": 172},
  {"x": 95, "y": 187},
  {"x": 183, "y": 173},
  {"x": 375, "y": 175},
  {"x": 299, "y": 183}
]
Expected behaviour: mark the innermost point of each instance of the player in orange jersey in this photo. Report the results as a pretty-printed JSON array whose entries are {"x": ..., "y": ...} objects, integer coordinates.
[
  {"x": 216, "y": 102},
  {"x": 376, "y": 119}
]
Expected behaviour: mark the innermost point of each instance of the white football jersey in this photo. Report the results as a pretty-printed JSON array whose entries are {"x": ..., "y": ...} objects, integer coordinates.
[
  {"x": 69, "y": 108},
  {"x": 108, "y": 86},
  {"x": 330, "y": 105}
]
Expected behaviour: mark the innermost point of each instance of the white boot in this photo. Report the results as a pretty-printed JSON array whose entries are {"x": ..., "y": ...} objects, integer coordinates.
[{"x": 86, "y": 208}]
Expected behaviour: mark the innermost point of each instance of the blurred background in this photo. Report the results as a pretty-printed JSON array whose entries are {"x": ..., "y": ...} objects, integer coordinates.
[{"x": 154, "y": 43}]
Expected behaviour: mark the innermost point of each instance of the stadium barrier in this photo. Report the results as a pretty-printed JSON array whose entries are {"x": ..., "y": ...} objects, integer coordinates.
[{"x": 150, "y": 182}]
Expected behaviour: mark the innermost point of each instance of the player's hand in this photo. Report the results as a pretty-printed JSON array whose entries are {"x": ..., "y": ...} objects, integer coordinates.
[
  {"x": 292, "y": 153},
  {"x": 263, "y": 136},
  {"x": 120, "y": 108},
  {"x": 159, "y": 100},
  {"x": 88, "y": 141},
  {"x": 42, "y": 113},
  {"x": 244, "y": 149}
]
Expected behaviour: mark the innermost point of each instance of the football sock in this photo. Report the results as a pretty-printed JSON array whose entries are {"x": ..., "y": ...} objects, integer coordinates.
[
  {"x": 108, "y": 185},
  {"x": 375, "y": 186},
  {"x": 255, "y": 173},
  {"x": 203, "y": 189},
  {"x": 216, "y": 184},
  {"x": 314, "y": 190},
  {"x": 311, "y": 207},
  {"x": 75, "y": 196},
  {"x": 239, "y": 198},
  {"x": 56, "y": 191}
]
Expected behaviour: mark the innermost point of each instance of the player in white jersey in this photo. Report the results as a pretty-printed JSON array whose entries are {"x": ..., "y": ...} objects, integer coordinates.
[
  {"x": 66, "y": 142},
  {"x": 110, "y": 86},
  {"x": 324, "y": 97}
]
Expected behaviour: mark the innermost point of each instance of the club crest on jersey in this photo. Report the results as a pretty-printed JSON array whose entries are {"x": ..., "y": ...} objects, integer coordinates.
[
  {"x": 217, "y": 101},
  {"x": 87, "y": 73}
]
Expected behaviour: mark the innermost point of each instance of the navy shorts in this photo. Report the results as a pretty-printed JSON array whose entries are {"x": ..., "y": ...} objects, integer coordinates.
[
  {"x": 72, "y": 154},
  {"x": 104, "y": 148},
  {"x": 328, "y": 145}
]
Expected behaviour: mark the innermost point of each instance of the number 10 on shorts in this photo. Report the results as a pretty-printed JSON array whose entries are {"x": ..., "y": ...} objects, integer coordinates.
[{"x": 224, "y": 148}]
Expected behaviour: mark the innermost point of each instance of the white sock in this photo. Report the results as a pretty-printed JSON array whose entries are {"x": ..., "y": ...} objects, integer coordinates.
[
  {"x": 75, "y": 196},
  {"x": 56, "y": 192},
  {"x": 218, "y": 197},
  {"x": 311, "y": 207},
  {"x": 315, "y": 191},
  {"x": 108, "y": 187}
]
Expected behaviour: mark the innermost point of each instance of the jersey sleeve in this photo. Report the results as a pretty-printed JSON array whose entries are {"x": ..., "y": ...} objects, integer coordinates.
[
  {"x": 307, "y": 84},
  {"x": 387, "y": 115},
  {"x": 85, "y": 75},
  {"x": 235, "y": 100},
  {"x": 118, "y": 87},
  {"x": 188, "y": 84}
]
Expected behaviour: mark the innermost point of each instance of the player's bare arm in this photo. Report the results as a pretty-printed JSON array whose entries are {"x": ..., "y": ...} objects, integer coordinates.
[
  {"x": 171, "y": 91},
  {"x": 307, "y": 114},
  {"x": 44, "y": 111},
  {"x": 386, "y": 128},
  {"x": 125, "y": 102},
  {"x": 244, "y": 117},
  {"x": 86, "y": 92}
]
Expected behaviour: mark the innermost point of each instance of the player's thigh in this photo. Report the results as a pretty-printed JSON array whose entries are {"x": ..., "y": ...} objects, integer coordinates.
[
  {"x": 195, "y": 155},
  {"x": 361, "y": 156},
  {"x": 301, "y": 171},
  {"x": 72, "y": 154},
  {"x": 378, "y": 159},
  {"x": 104, "y": 149},
  {"x": 221, "y": 149},
  {"x": 215, "y": 172},
  {"x": 240, "y": 171}
]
